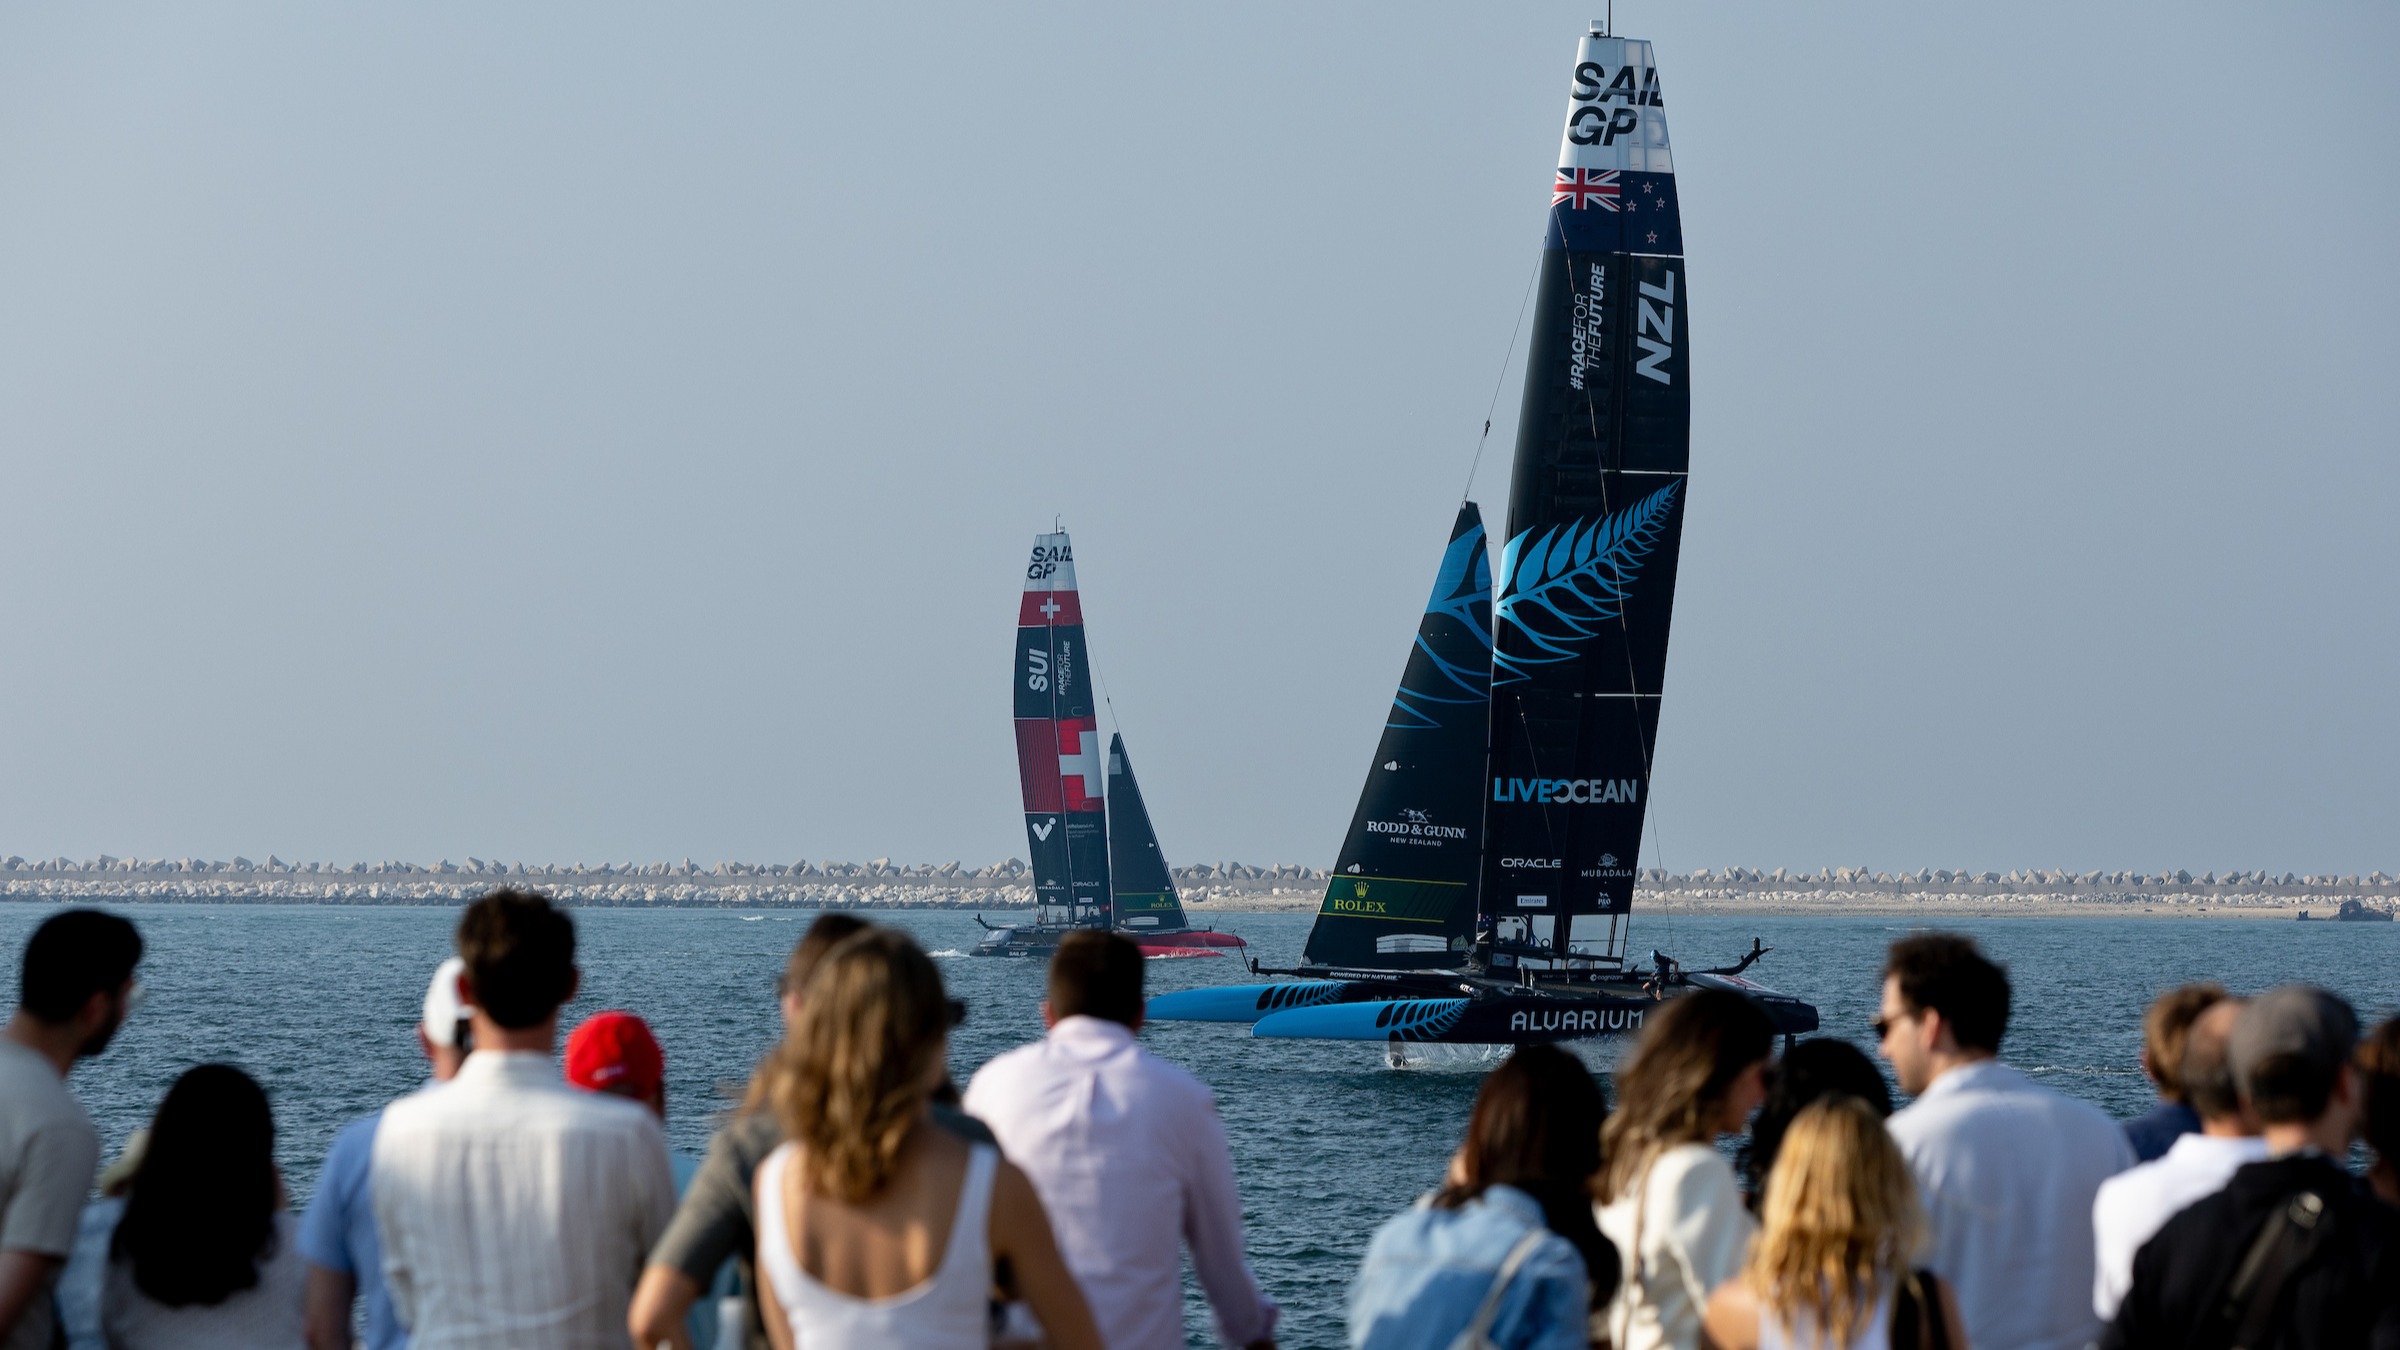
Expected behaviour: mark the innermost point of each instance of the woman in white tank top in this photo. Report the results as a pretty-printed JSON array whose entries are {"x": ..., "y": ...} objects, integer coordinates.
[
  {"x": 1840, "y": 1230},
  {"x": 875, "y": 1227}
]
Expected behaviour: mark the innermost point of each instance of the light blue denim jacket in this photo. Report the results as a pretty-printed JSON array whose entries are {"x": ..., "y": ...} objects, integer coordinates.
[{"x": 1427, "y": 1272}]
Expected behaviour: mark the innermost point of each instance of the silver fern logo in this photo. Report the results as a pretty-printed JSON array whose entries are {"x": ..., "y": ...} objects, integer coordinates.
[
  {"x": 1462, "y": 591},
  {"x": 1559, "y": 585}
]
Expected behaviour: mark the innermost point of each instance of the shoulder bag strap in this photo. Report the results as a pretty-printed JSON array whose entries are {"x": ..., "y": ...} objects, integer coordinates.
[
  {"x": 2284, "y": 1244},
  {"x": 1908, "y": 1301},
  {"x": 1629, "y": 1281},
  {"x": 1935, "y": 1327},
  {"x": 1479, "y": 1332}
]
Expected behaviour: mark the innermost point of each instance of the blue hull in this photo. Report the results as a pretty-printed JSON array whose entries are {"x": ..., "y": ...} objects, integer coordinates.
[{"x": 1240, "y": 1002}]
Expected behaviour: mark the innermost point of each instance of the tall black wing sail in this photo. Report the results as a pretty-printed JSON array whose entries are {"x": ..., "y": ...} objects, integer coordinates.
[
  {"x": 1586, "y": 578},
  {"x": 1402, "y": 895},
  {"x": 1137, "y": 869},
  {"x": 1058, "y": 741}
]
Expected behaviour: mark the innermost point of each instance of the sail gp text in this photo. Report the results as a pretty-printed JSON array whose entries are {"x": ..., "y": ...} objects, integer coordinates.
[
  {"x": 1593, "y": 122},
  {"x": 1579, "y": 791}
]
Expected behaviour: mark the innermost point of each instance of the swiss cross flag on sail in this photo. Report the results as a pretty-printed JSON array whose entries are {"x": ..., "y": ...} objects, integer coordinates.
[{"x": 1579, "y": 188}]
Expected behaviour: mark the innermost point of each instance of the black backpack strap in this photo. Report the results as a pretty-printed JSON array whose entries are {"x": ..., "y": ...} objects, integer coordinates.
[
  {"x": 2254, "y": 1296},
  {"x": 1917, "y": 1321}
]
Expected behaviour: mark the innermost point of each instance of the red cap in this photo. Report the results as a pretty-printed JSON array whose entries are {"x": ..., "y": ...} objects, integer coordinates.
[{"x": 615, "y": 1052}]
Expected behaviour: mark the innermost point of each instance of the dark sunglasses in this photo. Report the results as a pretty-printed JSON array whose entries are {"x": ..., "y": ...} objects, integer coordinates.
[{"x": 1883, "y": 1026}]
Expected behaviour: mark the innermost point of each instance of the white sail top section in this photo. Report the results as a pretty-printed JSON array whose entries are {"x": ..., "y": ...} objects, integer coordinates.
[
  {"x": 1052, "y": 566},
  {"x": 1615, "y": 116}
]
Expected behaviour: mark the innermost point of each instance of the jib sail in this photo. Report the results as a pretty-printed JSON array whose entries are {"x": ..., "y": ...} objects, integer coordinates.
[
  {"x": 1145, "y": 892},
  {"x": 1586, "y": 579},
  {"x": 1403, "y": 890},
  {"x": 1058, "y": 742}
]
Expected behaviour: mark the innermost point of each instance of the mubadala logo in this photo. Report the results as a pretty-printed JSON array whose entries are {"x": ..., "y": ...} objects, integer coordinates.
[
  {"x": 1607, "y": 867},
  {"x": 1556, "y": 791}
]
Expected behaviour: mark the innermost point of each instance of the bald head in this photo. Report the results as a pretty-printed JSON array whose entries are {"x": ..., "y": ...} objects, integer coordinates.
[{"x": 2206, "y": 1073}]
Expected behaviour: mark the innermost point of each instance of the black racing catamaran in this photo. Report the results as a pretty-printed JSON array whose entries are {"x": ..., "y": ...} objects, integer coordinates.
[
  {"x": 1086, "y": 874},
  {"x": 1483, "y": 893}
]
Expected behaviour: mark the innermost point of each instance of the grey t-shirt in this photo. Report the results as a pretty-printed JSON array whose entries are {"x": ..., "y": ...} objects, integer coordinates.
[
  {"x": 48, "y": 1153},
  {"x": 716, "y": 1218}
]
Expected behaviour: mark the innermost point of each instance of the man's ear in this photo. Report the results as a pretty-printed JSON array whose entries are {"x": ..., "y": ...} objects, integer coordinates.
[
  {"x": 1939, "y": 1036},
  {"x": 1048, "y": 1020}
]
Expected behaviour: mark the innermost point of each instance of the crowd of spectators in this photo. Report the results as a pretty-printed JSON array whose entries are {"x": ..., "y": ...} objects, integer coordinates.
[{"x": 1734, "y": 1198}]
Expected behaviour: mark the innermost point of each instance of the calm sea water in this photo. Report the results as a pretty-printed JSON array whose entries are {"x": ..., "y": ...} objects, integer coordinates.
[{"x": 318, "y": 1004}]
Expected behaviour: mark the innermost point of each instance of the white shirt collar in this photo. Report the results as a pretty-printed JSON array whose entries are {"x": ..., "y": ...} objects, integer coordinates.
[
  {"x": 2197, "y": 1147},
  {"x": 1985, "y": 1074},
  {"x": 507, "y": 1066},
  {"x": 1095, "y": 1036}
]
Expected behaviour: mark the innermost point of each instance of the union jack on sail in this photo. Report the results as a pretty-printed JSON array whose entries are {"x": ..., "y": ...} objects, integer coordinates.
[{"x": 1581, "y": 187}]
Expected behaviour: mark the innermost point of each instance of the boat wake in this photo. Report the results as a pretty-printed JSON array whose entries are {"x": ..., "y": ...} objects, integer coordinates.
[{"x": 946, "y": 953}]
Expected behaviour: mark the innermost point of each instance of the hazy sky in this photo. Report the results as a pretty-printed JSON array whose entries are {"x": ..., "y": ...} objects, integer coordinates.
[{"x": 613, "y": 432}]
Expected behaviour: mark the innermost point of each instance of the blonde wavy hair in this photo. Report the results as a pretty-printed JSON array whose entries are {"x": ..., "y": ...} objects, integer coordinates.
[
  {"x": 1674, "y": 1084},
  {"x": 852, "y": 1079},
  {"x": 1840, "y": 1221}
]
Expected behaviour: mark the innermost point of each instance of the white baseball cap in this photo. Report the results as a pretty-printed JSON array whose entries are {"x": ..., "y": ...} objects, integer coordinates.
[{"x": 444, "y": 1009}]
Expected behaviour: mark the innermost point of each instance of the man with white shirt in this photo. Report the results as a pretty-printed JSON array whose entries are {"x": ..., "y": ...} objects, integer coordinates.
[
  {"x": 514, "y": 1211},
  {"x": 2133, "y": 1205},
  {"x": 2006, "y": 1169},
  {"x": 1128, "y": 1155}
]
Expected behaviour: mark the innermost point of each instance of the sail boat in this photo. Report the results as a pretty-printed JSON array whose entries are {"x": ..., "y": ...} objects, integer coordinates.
[
  {"x": 1506, "y": 802},
  {"x": 1085, "y": 874}
]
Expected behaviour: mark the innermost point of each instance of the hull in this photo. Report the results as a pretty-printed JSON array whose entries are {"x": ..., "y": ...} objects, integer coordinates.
[
  {"x": 1036, "y": 941},
  {"x": 1456, "y": 1008},
  {"x": 1508, "y": 1015}
]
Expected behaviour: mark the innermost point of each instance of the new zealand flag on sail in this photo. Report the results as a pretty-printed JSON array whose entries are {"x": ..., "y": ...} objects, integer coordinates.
[{"x": 1638, "y": 217}]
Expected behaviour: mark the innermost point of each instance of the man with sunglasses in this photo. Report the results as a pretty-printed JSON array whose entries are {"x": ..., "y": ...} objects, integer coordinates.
[
  {"x": 76, "y": 988},
  {"x": 2005, "y": 1168}
]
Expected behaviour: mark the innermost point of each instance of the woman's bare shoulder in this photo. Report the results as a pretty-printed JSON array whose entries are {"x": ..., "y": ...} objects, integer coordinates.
[{"x": 1731, "y": 1319}]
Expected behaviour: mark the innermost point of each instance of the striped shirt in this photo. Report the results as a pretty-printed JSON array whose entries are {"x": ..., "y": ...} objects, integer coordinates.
[{"x": 515, "y": 1211}]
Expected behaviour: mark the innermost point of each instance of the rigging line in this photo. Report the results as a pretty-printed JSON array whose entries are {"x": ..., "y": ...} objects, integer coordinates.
[{"x": 1501, "y": 381}]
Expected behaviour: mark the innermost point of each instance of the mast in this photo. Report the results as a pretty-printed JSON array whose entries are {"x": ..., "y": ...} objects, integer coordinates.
[
  {"x": 1142, "y": 887},
  {"x": 1402, "y": 894},
  {"x": 1586, "y": 580},
  {"x": 1058, "y": 742}
]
